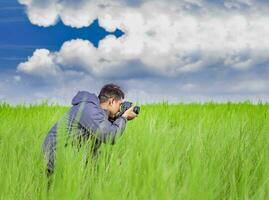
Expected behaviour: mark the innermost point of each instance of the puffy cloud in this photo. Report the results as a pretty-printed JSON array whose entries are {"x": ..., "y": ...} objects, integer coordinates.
[
  {"x": 41, "y": 63},
  {"x": 42, "y": 13},
  {"x": 164, "y": 42},
  {"x": 75, "y": 56},
  {"x": 76, "y": 14},
  {"x": 163, "y": 36}
]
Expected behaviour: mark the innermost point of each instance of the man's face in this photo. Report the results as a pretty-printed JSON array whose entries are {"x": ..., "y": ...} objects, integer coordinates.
[{"x": 114, "y": 106}]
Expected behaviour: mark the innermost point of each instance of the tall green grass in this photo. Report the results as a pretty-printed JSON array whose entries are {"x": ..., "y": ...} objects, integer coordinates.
[{"x": 171, "y": 151}]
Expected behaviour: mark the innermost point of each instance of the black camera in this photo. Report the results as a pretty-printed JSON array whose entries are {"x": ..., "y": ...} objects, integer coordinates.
[{"x": 125, "y": 106}]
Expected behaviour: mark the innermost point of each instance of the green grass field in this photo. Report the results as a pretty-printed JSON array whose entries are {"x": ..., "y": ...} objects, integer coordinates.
[{"x": 171, "y": 151}]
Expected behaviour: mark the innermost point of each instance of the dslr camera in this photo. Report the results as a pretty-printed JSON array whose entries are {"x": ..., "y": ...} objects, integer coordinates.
[{"x": 125, "y": 106}]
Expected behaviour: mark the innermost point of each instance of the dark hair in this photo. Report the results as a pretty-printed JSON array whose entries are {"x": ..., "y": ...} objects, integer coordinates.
[{"x": 110, "y": 90}]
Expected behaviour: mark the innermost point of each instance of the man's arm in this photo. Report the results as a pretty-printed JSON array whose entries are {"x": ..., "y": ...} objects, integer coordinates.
[
  {"x": 94, "y": 118},
  {"x": 109, "y": 131}
]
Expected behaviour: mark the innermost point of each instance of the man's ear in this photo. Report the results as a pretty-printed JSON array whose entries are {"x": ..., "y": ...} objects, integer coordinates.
[{"x": 110, "y": 101}]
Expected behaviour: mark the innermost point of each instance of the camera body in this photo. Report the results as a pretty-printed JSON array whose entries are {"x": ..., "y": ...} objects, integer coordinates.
[{"x": 125, "y": 106}]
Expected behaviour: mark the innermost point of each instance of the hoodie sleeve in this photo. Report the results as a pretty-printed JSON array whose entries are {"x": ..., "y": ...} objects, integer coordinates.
[
  {"x": 94, "y": 118},
  {"x": 109, "y": 131}
]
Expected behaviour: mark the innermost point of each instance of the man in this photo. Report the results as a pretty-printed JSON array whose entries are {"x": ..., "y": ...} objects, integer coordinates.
[{"x": 90, "y": 117}]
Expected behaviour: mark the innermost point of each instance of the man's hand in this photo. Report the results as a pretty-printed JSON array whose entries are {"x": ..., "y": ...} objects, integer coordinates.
[{"x": 129, "y": 114}]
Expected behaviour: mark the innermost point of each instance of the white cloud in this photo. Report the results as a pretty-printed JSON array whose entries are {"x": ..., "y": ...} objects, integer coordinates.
[
  {"x": 41, "y": 13},
  {"x": 41, "y": 63},
  {"x": 162, "y": 35},
  {"x": 170, "y": 39},
  {"x": 74, "y": 56}
]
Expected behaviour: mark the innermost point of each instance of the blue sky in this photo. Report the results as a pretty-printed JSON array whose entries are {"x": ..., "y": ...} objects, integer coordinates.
[
  {"x": 172, "y": 51},
  {"x": 19, "y": 38}
]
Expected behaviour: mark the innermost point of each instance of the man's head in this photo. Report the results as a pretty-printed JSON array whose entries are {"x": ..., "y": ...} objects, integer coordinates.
[{"x": 111, "y": 97}]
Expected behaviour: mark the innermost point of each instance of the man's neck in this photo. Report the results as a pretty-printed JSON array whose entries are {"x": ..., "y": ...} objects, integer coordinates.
[{"x": 104, "y": 107}]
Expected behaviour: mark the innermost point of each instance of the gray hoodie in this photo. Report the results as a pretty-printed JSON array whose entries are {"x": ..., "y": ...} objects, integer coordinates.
[{"x": 84, "y": 120}]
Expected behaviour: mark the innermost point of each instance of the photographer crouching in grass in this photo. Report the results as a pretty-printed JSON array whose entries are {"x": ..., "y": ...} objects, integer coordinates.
[{"x": 101, "y": 119}]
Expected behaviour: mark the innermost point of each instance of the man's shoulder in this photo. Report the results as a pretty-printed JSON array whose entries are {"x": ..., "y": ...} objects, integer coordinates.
[
  {"x": 84, "y": 96},
  {"x": 92, "y": 110}
]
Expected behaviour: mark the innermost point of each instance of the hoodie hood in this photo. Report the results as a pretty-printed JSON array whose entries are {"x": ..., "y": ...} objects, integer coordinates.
[{"x": 84, "y": 96}]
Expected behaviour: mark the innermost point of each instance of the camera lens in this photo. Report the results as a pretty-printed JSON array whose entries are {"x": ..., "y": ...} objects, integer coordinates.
[{"x": 136, "y": 109}]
